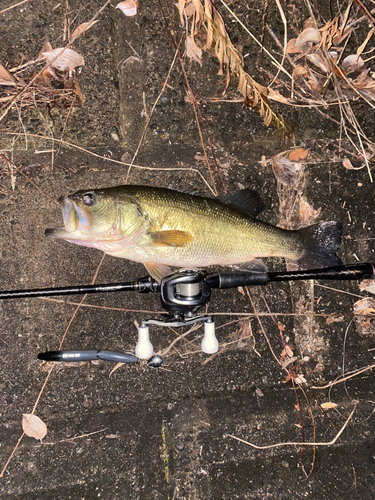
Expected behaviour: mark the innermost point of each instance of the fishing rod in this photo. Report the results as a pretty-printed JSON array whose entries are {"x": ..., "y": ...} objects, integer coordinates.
[{"x": 182, "y": 293}]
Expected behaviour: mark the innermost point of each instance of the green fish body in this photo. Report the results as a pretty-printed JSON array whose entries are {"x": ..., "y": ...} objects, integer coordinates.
[{"x": 162, "y": 227}]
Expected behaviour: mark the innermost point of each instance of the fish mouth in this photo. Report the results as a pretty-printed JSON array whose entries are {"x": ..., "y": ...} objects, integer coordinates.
[{"x": 75, "y": 220}]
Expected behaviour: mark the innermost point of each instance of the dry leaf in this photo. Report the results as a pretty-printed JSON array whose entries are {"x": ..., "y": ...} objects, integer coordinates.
[
  {"x": 365, "y": 307},
  {"x": 47, "y": 47},
  {"x": 82, "y": 28},
  {"x": 300, "y": 379},
  {"x": 362, "y": 47},
  {"x": 367, "y": 286},
  {"x": 276, "y": 96},
  {"x": 300, "y": 70},
  {"x": 308, "y": 38},
  {"x": 318, "y": 61},
  {"x": 5, "y": 77},
  {"x": 365, "y": 82},
  {"x": 247, "y": 330},
  {"x": 347, "y": 164},
  {"x": 352, "y": 63},
  {"x": 329, "y": 405},
  {"x": 35, "y": 427},
  {"x": 309, "y": 23},
  {"x": 117, "y": 366},
  {"x": 333, "y": 318},
  {"x": 314, "y": 82},
  {"x": 291, "y": 47},
  {"x": 181, "y": 7},
  {"x": 307, "y": 213},
  {"x": 64, "y": 59},
  {"x": 128, "y": 7},
  {"x": 188, "y": 9},
  {"x": 298, "y": 154},
  {"x": 288, "y": 361},
  {"x": 193, "y": 51},
  {"x": 284, "y": 171},
  {"x": 287, "y": 352}
]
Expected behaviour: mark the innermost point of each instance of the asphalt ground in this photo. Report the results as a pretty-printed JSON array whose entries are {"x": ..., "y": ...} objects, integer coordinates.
[{"x": 167, "y": 433}]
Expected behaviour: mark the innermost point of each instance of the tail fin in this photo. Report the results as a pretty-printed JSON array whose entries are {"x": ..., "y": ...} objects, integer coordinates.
[{"x": 320, "y": 243}]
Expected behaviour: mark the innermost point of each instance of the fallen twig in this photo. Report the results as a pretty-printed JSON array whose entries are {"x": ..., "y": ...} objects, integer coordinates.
[{"x": 291, "y": 443}]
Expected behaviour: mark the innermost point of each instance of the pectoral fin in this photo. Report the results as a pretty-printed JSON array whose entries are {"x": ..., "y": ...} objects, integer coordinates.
[
  {"x": 157, "y": 271},
  {"x": 173, "y": 238}
]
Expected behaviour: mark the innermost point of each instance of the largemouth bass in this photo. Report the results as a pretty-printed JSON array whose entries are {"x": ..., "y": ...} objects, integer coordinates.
[{"x": 162, "y": 227}]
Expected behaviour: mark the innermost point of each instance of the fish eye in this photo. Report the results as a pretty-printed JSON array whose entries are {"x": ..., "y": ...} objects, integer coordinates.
[{"x": 88, "y": 198}]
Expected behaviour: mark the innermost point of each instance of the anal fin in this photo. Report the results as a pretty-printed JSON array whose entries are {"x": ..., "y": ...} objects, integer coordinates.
[{"x": 157, "y": 271}]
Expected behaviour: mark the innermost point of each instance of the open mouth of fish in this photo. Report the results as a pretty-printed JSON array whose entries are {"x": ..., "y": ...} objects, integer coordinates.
[{"x": 75, "y": 220}]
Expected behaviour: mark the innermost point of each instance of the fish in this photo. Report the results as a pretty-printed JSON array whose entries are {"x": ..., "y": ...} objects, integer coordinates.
[{"x": 163, "y": 228}]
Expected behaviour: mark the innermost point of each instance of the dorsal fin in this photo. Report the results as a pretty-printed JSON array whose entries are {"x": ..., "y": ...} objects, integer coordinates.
[{"x": 247, "y": 200}]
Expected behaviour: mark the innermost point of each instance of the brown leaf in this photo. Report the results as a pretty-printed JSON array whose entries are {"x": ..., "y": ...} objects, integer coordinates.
[
  {"x": 314, "y": 83},
  {"x": 247, "y": 331},
  {"x": 188, "y": 9},
  {"x": 82, "y": 28},
  {"x": 64, "y": 59},
  {"x": 367, "y": 286},
  {"x": 333, "y": 318},
  {"x": 291, "y": 47},
  {"x": 276, "y": 96},
  {"x": 34, "y": 426},
  {"x": 318, "y": 61},
  {"x": 308, "y": 38},
  {"x": 300, "y": 70},
  {"x": 352, "y": 63},
  {"x": 47, "y": 47},
  {"x": 288, "y": 361},
  {"x": 117, "y": 366},
  {"x": 362, "y": 47},
  {"x": 328, "y": 405},
  {"x": 284, "y": 171},
  {"x": 181, "y": 7},
  {"x": 5, "y": 77},
  {"x": 307, "y": 213},
  {"x": 309, "y": 23},
  {"x": 193, "y": 51},
  {"x": 365, "y": 306},
  {"x": 365, "y": 82},
  {"x": 348, "y": 164},
  {"x": 298, "y": 154},
  {"x": 128, "y": 7},
  {"x": 287, "y": 352}
]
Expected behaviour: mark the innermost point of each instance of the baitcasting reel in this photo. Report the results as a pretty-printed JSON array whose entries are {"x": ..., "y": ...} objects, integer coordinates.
[{"x": 182, "y": 294}]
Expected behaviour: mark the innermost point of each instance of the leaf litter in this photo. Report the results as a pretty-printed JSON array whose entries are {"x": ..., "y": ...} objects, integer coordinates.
[
  {"x": 33, "y": 426},
  {"x": 48, "y": 81}
]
